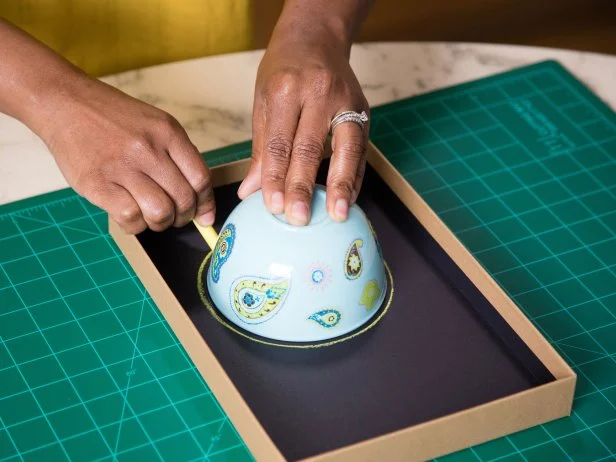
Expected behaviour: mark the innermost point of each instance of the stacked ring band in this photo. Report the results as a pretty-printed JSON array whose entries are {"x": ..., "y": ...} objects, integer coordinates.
[{"x": 349, "y": 116}]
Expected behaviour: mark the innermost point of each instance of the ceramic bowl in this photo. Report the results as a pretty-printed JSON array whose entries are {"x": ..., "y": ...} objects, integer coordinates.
[{"x": 296, "y": 284}]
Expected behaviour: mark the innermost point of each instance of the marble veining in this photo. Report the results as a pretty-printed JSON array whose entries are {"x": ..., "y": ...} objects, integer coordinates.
[{"x": 212, "y": 97}]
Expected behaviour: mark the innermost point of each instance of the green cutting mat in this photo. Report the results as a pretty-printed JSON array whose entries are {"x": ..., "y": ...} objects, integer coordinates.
[{"x": 521, "y": 166}]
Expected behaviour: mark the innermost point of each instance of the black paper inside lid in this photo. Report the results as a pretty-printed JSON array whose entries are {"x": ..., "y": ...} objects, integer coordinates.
[{"x": 441, "y": 348}]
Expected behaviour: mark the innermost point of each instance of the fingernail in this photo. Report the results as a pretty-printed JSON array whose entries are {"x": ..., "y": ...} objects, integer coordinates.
[
  {"x": 207, "y": 219},
  {"x": 277, "y": 203},
  {"x": 299, "y": 212},
  {"x": 341, "y": 209}
]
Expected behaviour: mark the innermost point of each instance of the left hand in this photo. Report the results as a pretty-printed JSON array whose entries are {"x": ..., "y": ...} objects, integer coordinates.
[{"x": 302, "y": 84}]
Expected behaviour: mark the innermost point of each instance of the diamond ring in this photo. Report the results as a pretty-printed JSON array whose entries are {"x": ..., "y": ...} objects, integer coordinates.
[{"x": 349, "y": 116}]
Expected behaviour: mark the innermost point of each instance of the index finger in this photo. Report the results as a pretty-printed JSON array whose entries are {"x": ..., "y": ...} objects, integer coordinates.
[
  {"x": 281, "y": 122},
  {"x": 308, "y": 147},
  {"x": 195, "y": 170}
]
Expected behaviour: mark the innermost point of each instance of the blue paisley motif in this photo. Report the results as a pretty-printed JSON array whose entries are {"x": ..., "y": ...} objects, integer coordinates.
[
  {"x": 257, "y": 299},
  {"x": 327, "y": 318},
  {"x": 222, "y": 251}
]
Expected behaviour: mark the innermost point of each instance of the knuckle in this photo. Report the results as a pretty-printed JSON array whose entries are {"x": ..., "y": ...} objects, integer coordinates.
[
  {"x": 139, "y": 144},
  {"x": 285, "y": 82},
  {"x": 161, "y": 214},
  {"x": 279, "y": 148},
  {"x": 202, "y": 182},
  {"x": 168, "y": 119},
  {"x": 300, "y": 188},
  {"x": 353, "y": 148},
  {"x": 343, "y": 186},
  {"x": 323, "y": 81},
  {"x": 137, "y": 147},
  {"x": 129, "y": 214},
  {"x": 166, "y": 123},
  {"x": 185, "y": 202},
  {"x": 274, "y": 176},
  {"x": 309, "y": 150}
]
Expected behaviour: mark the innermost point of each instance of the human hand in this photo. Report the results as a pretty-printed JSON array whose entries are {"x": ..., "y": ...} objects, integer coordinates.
[
  {"x": 304, "y": 80},
  {"x": 127, "y": 157}
]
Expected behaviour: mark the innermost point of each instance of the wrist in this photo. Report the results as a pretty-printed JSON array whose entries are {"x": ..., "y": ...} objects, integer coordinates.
[
  {"x": 50, "y": 99},
  {"x": 313, "y": 22},
  {"x": 309, "y": 40}
]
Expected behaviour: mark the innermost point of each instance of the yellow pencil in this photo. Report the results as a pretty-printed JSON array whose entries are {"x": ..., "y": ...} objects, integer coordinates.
[{"x": 209, "y": 234}]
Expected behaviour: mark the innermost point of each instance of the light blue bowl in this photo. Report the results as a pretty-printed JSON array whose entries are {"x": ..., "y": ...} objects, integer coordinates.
[{"x": 296, "y": 284}]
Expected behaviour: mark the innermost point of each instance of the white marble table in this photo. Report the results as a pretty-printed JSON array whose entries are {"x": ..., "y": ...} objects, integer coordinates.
[{"x": 212, "y": 97}]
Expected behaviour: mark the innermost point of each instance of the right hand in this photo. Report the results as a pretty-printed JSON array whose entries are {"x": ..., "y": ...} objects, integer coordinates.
[{"x": 129, "y": 158}]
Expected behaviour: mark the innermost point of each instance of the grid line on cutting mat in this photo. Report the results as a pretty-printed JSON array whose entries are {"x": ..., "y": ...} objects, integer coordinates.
[
  {"x": 92, "y": 428},
  {"x": 520, "y": 166},
  {"x": 490, "y": 221}
]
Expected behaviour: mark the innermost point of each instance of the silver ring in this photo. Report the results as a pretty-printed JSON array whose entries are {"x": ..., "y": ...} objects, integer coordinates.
[{"x": 349, "y": 116}]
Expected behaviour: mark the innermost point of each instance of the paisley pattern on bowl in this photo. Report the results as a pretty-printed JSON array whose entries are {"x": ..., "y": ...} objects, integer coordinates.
[
  {"x": 370, "y": 294},
  {"x": 257, "y": 299},
  {"x": 223, "y": 249},
  {"x": 353, "y": 263},
  {"x": 281, "y": 278},
  {"x": 327, "y": 318}
]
